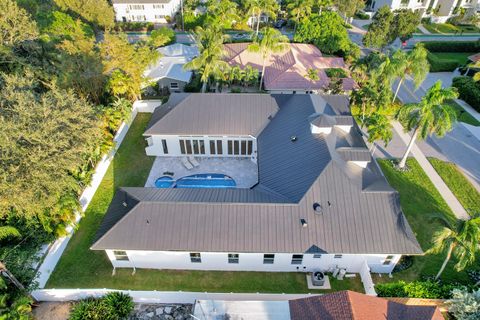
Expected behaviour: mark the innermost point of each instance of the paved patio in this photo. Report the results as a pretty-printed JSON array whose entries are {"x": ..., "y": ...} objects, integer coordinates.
[{"x": 243, "y": 171}]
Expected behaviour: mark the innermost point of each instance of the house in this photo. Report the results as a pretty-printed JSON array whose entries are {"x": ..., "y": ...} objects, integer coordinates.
[
  {"x": 342, "y": 305},
  {"x": 438, "y": 10},
  {"x": 168, "y": 70},
  {"x": 318, "y": 202},
  {"x": 157, "y": 11},
  {"x": 286, "y": 72}
]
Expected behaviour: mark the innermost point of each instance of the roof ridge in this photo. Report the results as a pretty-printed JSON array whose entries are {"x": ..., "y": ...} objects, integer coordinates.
[{"x": 288, "y": 67}]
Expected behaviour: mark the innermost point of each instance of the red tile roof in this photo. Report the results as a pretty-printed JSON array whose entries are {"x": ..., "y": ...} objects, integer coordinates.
[
  {"x": 349, "y": 305},
  {"x": 475, "y": 57},
  {"x": 287, "y": 70}
]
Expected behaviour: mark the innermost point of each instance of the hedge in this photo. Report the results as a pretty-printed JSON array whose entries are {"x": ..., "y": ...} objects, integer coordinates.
[
  {"x": 452, "y": 46},
  {"x": 468, "y": 90},
  {"x": 428, "y": 289},
  {"x": 441, "y": 64}
]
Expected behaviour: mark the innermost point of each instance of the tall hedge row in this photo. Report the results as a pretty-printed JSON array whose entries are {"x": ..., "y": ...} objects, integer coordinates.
[
  {"x": 438, "y": 64},
  {"x": 468, "y": 90},
  {"x": 452, "y": 46}
]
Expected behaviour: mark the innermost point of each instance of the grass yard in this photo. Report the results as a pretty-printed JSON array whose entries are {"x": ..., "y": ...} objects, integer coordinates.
[
  {"x": 418, "y": 198},
  {"x": 80, "y": 267},
  {"x": 464, "y": 116},
  {"x": 450, "y": 28},
  {"x": 468, "y": 196}
]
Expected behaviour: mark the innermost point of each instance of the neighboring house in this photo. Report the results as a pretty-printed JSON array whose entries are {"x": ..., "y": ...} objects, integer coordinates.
[
  {"x": 439, "y": 10},
  {"x": 320, "y": 202},
  {"x": 342, "y": 305},
  {"x": 286, "y": 72},
  {"x": 155, "y": 11},
  {"x": 168, "y": 71}
]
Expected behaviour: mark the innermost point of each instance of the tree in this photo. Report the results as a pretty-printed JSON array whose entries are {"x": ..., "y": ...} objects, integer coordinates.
[
  {"x": 272, "y": 42},
  {"x": 98, "y": 12},
  {"x": 378, "y": 34},
  {"x": 404, "y": 24},
  {"x": 251, "y": 76},
  {"x": 464, "y": 305},
  {"x": 16, "y": 24},
  {"x": 414, "y": 64},
  {"x": 8, "y": 231},
  {"x": 222, "y": 12},
  {"x": 430, "y": 116},
  {"x": 326, "y": 31},
  {"x": 47, "y": 134},
  {"x": 322, "y": 4},
  {"x": 349, "y": 7},
  {"x": 161, "y": 37},
  {"x": 123, "y": 61},
  {"x": 210, "y": 60},
  {"x": 312, "y": 76},
  {"x": 258, "y": 7},
  {"x": 299, "y": 9},
  {"x": 459, "y": 238},
  {"x": 379, "y": 127}
]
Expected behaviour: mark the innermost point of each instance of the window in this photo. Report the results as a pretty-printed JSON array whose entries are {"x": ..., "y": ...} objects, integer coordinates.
[
  {"x": 182, "y": 146},
  {"x": 243, "y": 147},
  {"x": 268, "y": 258},
  {"x": 174, "y": 85},
  {"x": 229, "y": 144},
  {"x": 192, "y": 146},
  {"x": 159, "y": 16},
  {"x": 212, "y": 147},
  {"x": 188, "y": 143},
  {"x": 297, "y": 258},
  {"x": 388, "y": 260},
  {"x": 195, "y": 257},
  {"x": 219, "y": 147},
  {"x": 120, "y": 255},
  {"x": 165, "y": 147},
  {"x": 233, "y": 258},
  {"x": 202, "y": 147},
  {"x": 140, "y": 18},
  {"x": 250, "y": 147},
  {"x": 136, "y": 7},
  {"x": 338, "y": 256},
  {"x": 158, "y": 6},
  {"x": 196, "y": 150},
  {"x": 317, "y": 256}
]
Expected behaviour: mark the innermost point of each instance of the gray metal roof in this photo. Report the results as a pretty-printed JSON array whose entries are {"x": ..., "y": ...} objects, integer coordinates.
[
  {"x": 354, "y": 154},
  {"x": 360, "y": 212},
  {"x": 217, "y": 114}
]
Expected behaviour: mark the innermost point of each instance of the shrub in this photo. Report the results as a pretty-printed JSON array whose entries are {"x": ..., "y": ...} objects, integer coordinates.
[
  {"x": 195, "y": 85},
  {"x": 361, "y": 15},
  {"x": 468, "y": 90},
  {"x": 113, "y": 306},
  {"x": 452, "y": 46},
  {"x": 441, "y": 64},
  {"x": 162, "y": 36},
  {"x": 465, "y": 305},
  {"x": 427, "y": 289},
  {"x": 335, "y": 73},
  {"x": 134, "y": 26}
]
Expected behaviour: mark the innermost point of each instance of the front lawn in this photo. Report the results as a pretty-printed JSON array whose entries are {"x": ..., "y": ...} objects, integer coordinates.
[
  {"x": 418, "y": 198},
  {"x": 464, "y": 116},
  {"x": 450, "y": 28},
  {"x": 80, "y": 267},
  {"x": 468, "y": 196}
]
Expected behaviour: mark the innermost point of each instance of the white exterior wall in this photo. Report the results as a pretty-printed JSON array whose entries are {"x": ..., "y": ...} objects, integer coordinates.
[
  {"x": 444, "y": 13},
  {"x": 148, "y": 13},
  {"x": 155, "y": 147},
  {"x": 251, "y": 262}
]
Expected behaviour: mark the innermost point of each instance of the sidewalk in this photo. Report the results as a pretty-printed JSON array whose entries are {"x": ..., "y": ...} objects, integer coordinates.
[
  {"x": 437, "y": 181},
  {"x": 423, "y": 29}
]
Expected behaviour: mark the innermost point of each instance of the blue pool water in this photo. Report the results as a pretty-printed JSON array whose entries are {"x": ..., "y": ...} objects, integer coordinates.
[
  {"x": 204, "y": 180},
  {"x": 164, "y": 182}
]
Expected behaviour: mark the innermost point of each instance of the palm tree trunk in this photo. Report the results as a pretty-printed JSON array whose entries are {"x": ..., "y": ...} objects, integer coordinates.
[
  {"x": 204, "y": 87},
  {"x": 296, "y": 23},
  {"x": 447, "y": 258},
  {"x": 261, "y": 77},
  {"x": 398, "y": 88},
  {"x": 402, "y": 163},
  {"x": 258, "y": 23}
]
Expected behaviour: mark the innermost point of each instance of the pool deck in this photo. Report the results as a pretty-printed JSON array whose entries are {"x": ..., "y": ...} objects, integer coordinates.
[{"x": 243, "y": 171}]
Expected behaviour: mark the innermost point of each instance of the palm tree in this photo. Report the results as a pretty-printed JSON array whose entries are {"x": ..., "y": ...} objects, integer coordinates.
[
  {"x": 379, "y": 127},
  {"x": 299, "y": 9},
  {"x": 322, "y": 4},
  {"x": 272, "y": 42},
  {"x": 209, "y": 62},
  {"x": 312, "y": 76},
  {"x": 257, "y": 7},
  {"x": 223, "y": 12},
  {"x": 250, "y": 75},
  {"x": 460, "y": 238},
  {"x": 8, "y": 231},
  {"x": 430, "y": 116},
  {"x": 415, "y": 64}
]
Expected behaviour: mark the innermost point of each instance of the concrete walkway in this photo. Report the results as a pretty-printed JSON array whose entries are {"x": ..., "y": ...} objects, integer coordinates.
[
  {"x": 423, "y": 29},
  {"x": 437, "y": 181}
]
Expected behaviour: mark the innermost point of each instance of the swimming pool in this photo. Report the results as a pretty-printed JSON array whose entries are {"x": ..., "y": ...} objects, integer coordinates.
[{"x": 202, "y": 180}]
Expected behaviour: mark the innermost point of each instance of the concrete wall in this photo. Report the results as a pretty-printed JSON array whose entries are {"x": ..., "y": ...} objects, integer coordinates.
[
  {"x": 150, "y": 13},
  {"x": 251, "y": 262},
  {"x": 155, "y": 147}
]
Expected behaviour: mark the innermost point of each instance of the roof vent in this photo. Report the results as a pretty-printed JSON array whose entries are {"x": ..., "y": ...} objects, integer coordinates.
[
  {"x": 304, "y": 223},
  {"x": 317, "y": 208},
  {"x": 293, "y": 138},
  {"x": 124, "y": 203}
]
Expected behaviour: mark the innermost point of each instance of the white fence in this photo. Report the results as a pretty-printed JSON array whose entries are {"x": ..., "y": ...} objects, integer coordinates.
[
  {"x": 56, "y": 248},
  {"x": 367, "y": 280},
  {"x": 160, "y": 296}
]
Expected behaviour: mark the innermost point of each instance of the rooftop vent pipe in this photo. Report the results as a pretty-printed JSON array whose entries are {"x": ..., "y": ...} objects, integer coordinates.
[
  {"x": 317, "y": 207},
  {"x": 293, "y": 138},
  {"x": 304, "y": 223}
]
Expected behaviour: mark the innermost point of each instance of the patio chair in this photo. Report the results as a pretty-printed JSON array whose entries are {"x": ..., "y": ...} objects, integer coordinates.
[
  {"x": 186, "y": 163},
  {"x": 193, "y": 161}
]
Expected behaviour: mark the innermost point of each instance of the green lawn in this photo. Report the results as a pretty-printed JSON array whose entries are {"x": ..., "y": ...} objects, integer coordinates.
[
  {"x": 468, "y": 196},
  {"x": 463, "y": 115},
  {"x": 460, "y": 57},
  {"x": 450, "y": 28},
  {"x": 418, "y": 198},
  {"x": 80, "y": 267}
]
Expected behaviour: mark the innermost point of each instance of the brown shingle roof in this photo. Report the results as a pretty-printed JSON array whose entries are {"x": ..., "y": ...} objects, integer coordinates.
[{"x": 349, "y": 305}]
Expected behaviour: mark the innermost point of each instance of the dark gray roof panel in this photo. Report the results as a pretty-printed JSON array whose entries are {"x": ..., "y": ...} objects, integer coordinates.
[{"x": 354, "y": 154}]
